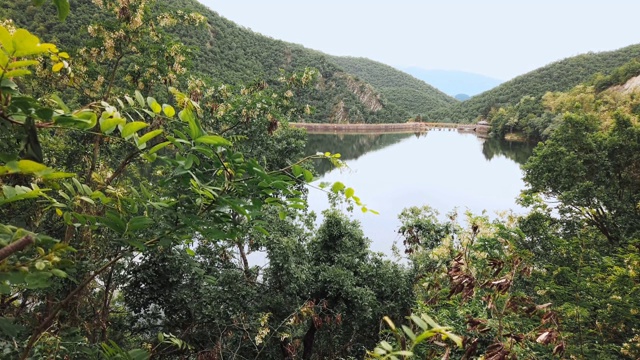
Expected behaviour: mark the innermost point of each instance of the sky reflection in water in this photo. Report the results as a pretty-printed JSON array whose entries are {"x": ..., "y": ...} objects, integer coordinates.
[{"x": 442, "y": 169}]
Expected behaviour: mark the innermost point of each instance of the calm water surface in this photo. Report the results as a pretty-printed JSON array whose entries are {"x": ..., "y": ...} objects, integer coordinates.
[{"x": 442, "y": 169}]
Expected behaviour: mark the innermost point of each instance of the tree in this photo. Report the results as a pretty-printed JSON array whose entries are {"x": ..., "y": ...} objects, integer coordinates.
[
  {"x": 586, "y": 253},
  {"x": 476, "y": 280},
  {"x": 592, "y": 174},
  {"x": 195, "y": 183}
]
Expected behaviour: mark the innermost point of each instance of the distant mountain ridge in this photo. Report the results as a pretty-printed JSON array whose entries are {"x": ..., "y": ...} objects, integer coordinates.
[
  {"x": 225, "y": 52},
  {"x": 350, "y": 90},
  {"x": 414, "y": 95},
  {"x": 558, "y": 76},
  {"x": 453, "y": 82}
]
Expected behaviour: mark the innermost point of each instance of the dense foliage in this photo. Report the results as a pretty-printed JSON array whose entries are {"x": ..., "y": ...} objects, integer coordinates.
[
  {"x": 174, "y": 224},
  {"x": 222, "y": 52},
  {"x": 168, "y": 184},
  {"x": 558, "y": 76},
  {"x": 535, "y": 118},
  {"x": 409, "y": 93}
]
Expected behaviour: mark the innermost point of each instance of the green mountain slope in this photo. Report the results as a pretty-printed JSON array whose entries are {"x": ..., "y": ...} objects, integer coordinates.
[
  {"x": 559, "y": 76},
  {"x": 224, "y": 52},
  {"x": 411, "y": 94}
]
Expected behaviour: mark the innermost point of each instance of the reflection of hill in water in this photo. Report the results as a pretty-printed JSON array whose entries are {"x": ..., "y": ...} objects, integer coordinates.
[
  {"x": 350, "y": 146},
  {"x": 516, "y": 151}
]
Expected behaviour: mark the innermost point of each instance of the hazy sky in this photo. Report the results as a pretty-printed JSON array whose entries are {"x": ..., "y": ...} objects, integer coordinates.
[{"x": 501, "y": 39}]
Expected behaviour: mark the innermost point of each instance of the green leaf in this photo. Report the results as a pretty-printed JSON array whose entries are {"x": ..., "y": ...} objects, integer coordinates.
[
  {"x": 57, "y": 67},
  {"x": 59, "y": 273},
  {"x": 308, "y": 175},
  {"x": 154, "y": 105},
  {"x": 22, "y": 63},
  {"x": 113, "y": 221},
  {"x": 130, "y": 128},
  {"x": 159, "y": 147},
  {"x": 31, "y": 167},
  {"x": 4, "y": 59},
  {"x": 337, "y": 187},
  {"x": 390, "y": 323},
  {"x": 25, "y": 44},
  {"x": 214, "y": 140},
  {"x": 129, "y": 100},
  {"x": 385, "y": 345},
  {"x": 140, "y": 98},
  {"x": 349, "y": 192},
  {"x": 455, "y": 338},
  {"x": 63, "y": 8},
  {"x": 409, "y": 332},
  {"x": 7, "y": 84},
  {"x": 108, "y": 125},
  {"x": 38, "y": 280},
  {"x": 190, "y": 252},
  {"x": 205, "y": 151},
  {"x": 87, "y": 199},
  {"x": 429, "y": 321},
  {"x": 60, "y": 103},
  {"x": 139, "y": 223},
  {"x": 423, "y": 325},
  {"x": 5, "y": 40},
  {"x": 168, "y": 110},
  {"x": 16, "y": 73},
  {"x": 297, "y": 170},
  {"x": 18, "y": 193},
  {"x": 262, "y": 230},
  {"x": 84, "y": 120},
  {"x": 424, "y": 336},
  {"x": 187, "y": 116},
  {"x": 148, "y": 136}
]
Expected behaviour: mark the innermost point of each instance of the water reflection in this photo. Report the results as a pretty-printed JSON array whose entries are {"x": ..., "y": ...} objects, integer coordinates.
[
  {"x": 516, "y": 151},
  {"x": 442, "y": 169},
  {"x": 351, "y": 146}
]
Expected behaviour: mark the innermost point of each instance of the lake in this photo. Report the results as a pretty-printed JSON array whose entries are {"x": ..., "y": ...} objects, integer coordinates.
[{"x": 444, "y": 169}]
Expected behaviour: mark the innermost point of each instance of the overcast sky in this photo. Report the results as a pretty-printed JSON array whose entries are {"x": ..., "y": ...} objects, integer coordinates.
[{"x": 501, "y": 39}]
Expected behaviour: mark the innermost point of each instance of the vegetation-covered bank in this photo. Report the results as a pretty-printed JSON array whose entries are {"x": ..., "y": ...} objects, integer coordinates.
[
  {"x": 133, "y": 195},
  {"x": 556, "y": 77},
  {"x": 222, "y": 52},
  {"x": 535, "y": 118}
]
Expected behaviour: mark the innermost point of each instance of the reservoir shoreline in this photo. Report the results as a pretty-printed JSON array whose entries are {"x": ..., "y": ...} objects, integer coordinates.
[{"x": 410, "y": 127}]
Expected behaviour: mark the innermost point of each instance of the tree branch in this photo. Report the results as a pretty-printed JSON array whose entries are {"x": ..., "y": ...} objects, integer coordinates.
[
  {"x": 16, "y": 246},
  {"x": 54, "y": 313}
]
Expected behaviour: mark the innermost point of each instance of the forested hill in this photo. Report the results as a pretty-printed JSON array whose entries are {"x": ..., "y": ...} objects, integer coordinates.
[
  {"x": 225, "y": 52},
  {"x": 558, "y": 76},
  {"x": 400, "y": 88}
]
